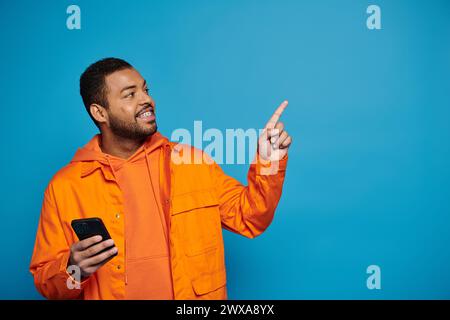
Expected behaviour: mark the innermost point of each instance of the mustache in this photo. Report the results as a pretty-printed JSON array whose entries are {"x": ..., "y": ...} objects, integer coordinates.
[{"x": 146, "y": 106}]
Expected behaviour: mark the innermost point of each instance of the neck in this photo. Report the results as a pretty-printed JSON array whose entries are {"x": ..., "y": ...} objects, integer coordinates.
[{"x": 118, "y": 146}]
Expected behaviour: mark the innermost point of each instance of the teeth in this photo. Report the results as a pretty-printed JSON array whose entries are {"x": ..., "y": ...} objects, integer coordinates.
[{"x": 145, "y": 114}]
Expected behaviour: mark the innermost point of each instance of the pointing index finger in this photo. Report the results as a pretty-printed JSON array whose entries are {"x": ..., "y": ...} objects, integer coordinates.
[{"x": 276, "y": 116}]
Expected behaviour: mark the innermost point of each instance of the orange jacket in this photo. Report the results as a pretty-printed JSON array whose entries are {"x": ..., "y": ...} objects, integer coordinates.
[{"x": 197, "y": 201}]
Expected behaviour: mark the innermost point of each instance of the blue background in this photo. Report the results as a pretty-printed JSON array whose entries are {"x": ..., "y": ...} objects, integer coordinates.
[{"x": 368, "y": 180}]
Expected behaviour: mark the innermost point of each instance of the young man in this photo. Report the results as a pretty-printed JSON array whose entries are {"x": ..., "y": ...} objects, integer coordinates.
[{"x": 165, "y": 217}]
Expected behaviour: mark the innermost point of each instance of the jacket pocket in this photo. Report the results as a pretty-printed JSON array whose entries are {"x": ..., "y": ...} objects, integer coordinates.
[
  {"x": 193, "y": 200},
  {"x": 207, "y": 283},
  {"x": 197, "y": 218}
]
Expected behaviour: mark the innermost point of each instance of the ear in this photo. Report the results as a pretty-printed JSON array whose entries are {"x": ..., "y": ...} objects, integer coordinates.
[{"x": 99, "y": 113}]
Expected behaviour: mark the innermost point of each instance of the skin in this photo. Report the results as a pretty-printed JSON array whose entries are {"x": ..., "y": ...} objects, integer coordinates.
[
  {"x": 85, "y": 254},
  {"x": 122, "y": 133},
  {"x": 274, "y": 142}
]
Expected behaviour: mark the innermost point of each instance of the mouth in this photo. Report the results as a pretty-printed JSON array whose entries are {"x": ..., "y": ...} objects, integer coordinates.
[{"x": 146, "y": 114}]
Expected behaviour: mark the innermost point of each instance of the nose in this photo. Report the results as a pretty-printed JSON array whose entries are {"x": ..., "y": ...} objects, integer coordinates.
[{"x": 146, "y": 99}]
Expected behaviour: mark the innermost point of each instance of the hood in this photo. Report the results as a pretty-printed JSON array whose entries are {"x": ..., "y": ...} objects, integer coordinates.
[{"x": 92, "y": 151}]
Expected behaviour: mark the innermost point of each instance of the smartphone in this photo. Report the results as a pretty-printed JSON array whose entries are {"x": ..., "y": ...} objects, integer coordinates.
[{"x": 89, "y": 227}]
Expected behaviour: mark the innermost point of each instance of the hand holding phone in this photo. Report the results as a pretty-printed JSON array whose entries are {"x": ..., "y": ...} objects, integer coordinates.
[{"x": 95, "y": 247}]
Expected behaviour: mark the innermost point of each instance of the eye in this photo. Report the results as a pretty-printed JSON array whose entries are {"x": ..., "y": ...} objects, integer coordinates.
[
  {"x": 130, "y": 95},
  {"x": 146, "y": 90}
]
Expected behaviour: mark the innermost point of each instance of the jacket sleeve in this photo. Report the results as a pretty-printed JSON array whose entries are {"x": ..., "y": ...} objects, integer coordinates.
[
  {"x": 249, "y": 210},
  {"x": 51, "y": 255}
]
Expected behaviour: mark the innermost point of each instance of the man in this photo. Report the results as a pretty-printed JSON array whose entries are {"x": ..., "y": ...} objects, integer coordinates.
[{"x": 165, "y": 217}]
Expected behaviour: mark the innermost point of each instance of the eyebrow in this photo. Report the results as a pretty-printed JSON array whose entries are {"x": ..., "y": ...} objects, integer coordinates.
[
  {"x": 129, "y": 87},
  {"x": 132, "y": 87}
]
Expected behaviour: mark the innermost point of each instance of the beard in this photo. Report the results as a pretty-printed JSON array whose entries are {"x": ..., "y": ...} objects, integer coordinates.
[{"x": 131, "y": 131}]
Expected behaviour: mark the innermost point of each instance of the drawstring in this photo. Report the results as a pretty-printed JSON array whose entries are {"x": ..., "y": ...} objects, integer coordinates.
[
  {"x": 112, "y": 168},
  {"x": 165, "y": 181},
  {"x": 162, "y": 218}
]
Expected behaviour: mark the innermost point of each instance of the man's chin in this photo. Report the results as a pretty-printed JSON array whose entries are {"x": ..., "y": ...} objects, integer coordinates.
[{"x": 153, "y": 128}]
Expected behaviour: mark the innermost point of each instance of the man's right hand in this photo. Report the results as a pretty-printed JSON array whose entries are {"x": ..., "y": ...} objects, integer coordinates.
[{"x": 85, "y": 254}]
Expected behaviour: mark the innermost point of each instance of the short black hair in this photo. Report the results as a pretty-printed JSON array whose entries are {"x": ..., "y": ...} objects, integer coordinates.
[{"x": 93, "y": 85}]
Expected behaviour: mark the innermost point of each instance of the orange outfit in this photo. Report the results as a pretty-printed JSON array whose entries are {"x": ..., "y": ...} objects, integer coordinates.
[{"x": 165, "y": 217}]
